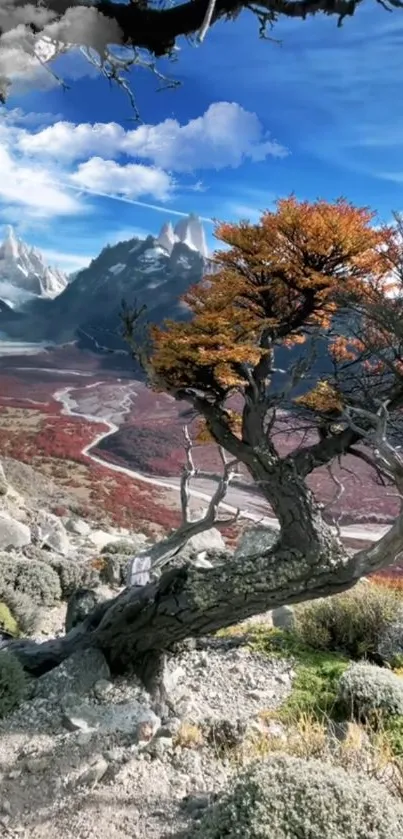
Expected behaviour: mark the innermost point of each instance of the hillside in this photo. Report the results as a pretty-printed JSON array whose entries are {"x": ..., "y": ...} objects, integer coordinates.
[{"x": 86, "y": 751}]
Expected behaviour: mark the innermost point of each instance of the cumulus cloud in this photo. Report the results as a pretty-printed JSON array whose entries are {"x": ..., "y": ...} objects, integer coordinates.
[
  {"x": 25, "y": 55},
  {"x": 226, "y": 135},
  {"x": 131, "y": 180},
  {"x": 33, "y": 188}
]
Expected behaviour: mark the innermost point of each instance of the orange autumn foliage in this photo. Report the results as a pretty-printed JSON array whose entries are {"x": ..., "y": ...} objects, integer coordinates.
[
  {"x": 276, "y": 280},
  {"x": 324, "y": 397}
]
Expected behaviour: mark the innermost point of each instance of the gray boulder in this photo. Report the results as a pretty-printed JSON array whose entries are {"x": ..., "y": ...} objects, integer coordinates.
[
  {"x": 78, "y": 526},
  {"x": 75, "y": 676},
  {"x": 13, "y": 533},
  {"x": 257, "y": 540},
  {"x": 208, "y": 540},
  {"x": 127, "y": 717},
  {"x": 283, "y": 617},
  {"x": 51, "y": 533}
]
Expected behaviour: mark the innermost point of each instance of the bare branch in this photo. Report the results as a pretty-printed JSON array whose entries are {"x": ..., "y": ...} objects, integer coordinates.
[
  {"x": 207, "y": 21},
  {"x": 155, "y": 28},
  {"x": 150, "y": 562},
  {"x": 385, "y": 453},
  {"x": 189, "y": 471},
  {"x": 340, "y": 489}
]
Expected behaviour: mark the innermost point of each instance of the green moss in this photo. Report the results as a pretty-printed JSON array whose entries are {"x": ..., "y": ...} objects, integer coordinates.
[
  {"x": 317, "y": 672},
  {"x": 7, "y": 620},
  {"x": 393, "y": 731}
]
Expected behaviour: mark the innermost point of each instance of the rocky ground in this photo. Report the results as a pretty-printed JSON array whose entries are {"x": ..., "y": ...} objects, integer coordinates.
[
  {"x": 100, "y": 762},
  {"x": 86, "y": 755},
  {"x": 89, "y": 755}
]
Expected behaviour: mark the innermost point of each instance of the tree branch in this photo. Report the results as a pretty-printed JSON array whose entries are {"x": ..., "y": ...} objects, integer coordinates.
[
  {"x": 157, "y": 29},
  {"x": 150, "y": 562},
  {"x": 189, "y": 602}
]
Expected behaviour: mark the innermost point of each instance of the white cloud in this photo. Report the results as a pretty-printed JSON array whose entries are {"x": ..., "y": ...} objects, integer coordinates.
[
  {"x": 67, "y": 262},
  {"x": 224, "y": 136},
  {"x": 131, "y": 180},
  {"x": 33, "y": 188}
]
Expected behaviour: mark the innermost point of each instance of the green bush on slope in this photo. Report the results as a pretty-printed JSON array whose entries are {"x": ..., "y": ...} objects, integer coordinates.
[{"x": 290, "y": 798}]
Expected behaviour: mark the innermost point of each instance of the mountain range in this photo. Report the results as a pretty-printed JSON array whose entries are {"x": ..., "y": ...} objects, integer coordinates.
[
  {"x": 24, "y": 275},
  {"x": 38, "y": 303},
  {"x": 45, "y": 306}
]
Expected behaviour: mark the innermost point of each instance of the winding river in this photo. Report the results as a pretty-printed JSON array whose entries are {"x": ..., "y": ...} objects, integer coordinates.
[{"x": 251, "y": 506}]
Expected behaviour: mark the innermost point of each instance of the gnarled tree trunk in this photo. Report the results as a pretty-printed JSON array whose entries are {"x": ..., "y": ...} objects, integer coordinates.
[{"x": 306, "y": 562}]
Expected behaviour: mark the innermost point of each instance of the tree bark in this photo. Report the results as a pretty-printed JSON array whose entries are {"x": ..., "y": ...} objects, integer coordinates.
[{"x": 306, "y": 562}]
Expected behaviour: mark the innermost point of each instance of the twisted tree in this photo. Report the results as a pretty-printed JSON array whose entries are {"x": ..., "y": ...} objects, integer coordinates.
[
  {"x": 306, "y": 276},
  {"x": 145, "y": 29}
]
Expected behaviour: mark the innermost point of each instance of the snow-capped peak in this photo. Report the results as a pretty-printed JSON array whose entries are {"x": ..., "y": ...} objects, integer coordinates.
[
  {"x": 24, "y": 273},
  {"x": 188, "y": 230},
  {"x": 166, "y": 237}
]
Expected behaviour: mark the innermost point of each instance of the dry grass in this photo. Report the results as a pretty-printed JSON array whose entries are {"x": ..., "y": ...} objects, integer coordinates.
[
  {"x": 189, "y": 736},
  {"x": 359, "y": 749}
]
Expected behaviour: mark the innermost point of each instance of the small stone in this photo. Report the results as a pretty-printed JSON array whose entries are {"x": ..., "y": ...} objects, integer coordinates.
[
  {"x": 144, "y": 731},
  {"x": 283, "y": 678},
  {"x": 36, "y": 764},
  {"x": 84, "y": 737},
  {"x": 161, "y": 745},
  {"x": 102, "y": 687},
  {"x": 169, "y": 728},
  {"x": 5, "y": 820},
  {"x": 94, "y": 773},
  {"x": 75, "y": 722},
  {"x": 5, "y": 806},
  {"x": 52, "y": 533},
  {"x": 113, "y": 755}
]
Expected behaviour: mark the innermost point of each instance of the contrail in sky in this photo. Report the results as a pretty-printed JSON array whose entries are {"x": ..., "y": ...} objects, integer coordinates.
[{"x": 159, "y": 208}]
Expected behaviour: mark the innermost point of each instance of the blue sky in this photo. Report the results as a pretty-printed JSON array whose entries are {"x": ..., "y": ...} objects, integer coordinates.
[{"x": 320, "y": 114}]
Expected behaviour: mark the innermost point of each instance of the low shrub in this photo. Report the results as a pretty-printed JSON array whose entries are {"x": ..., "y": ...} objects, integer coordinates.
[
  {"x": 291, "y": 798},
  {"x": 73, "y": 575},
  {"x": 34, "y": 578},
  {"x": 114, "y": 568},
  {"x": 123, "y": 546},
  {"x": 350, "y": 622},
  {"x": 13, "y": 683},
  {"x": 22, "y": 608},
  {"x": 368, "y": 692}
]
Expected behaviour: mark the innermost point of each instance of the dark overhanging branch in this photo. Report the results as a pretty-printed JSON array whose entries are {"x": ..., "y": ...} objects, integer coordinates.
[{"x": 156, "y": 29}]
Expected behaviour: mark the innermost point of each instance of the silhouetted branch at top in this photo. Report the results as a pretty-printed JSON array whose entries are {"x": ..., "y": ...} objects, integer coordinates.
[{"x": 147, "y": 28}]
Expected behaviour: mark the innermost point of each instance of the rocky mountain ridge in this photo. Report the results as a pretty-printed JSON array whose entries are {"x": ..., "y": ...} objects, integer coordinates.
[
  {"x": 24, "y": 274},
  {"x": 155, "y": 271}
]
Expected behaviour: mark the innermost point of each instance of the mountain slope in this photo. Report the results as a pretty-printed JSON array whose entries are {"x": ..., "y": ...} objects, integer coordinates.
[
  {"x": 138, "y": 271},
  {"x": 24, "y": 274},
  {"x": 154, "y": 271}
]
